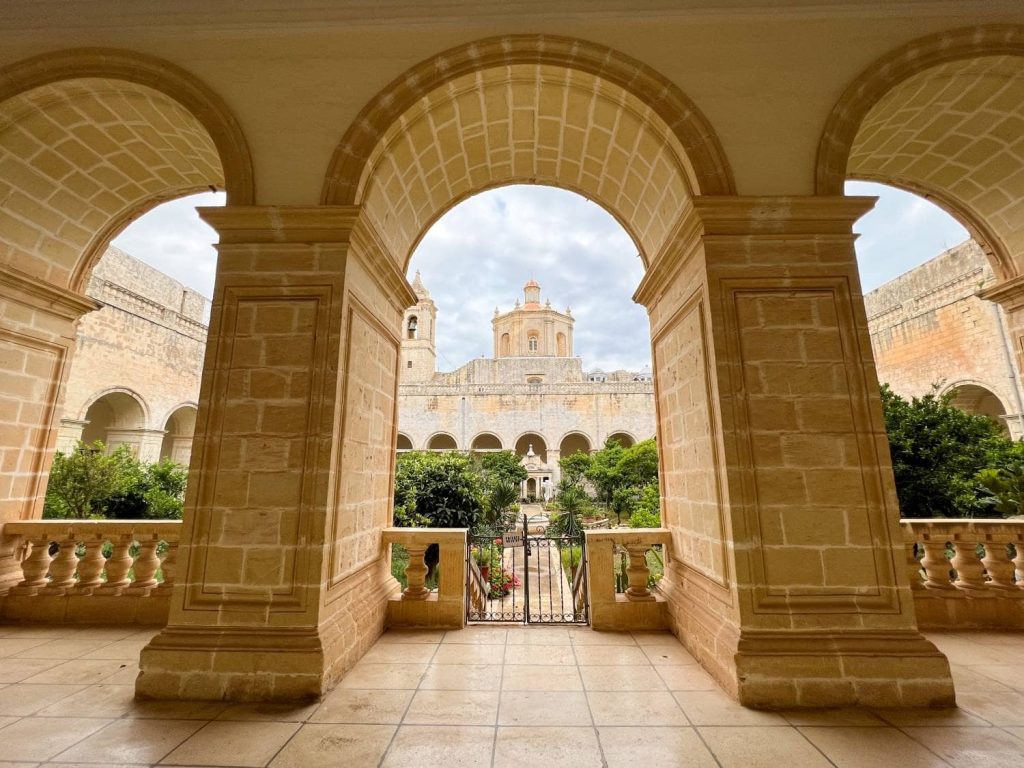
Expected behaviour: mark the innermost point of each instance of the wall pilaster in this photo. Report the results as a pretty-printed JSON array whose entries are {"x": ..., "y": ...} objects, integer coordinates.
[
  {"x": 775, "y": 473},
  {"x": 284, "y": 579}
]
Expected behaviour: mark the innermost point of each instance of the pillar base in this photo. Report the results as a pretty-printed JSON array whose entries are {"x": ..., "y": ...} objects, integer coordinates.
[{"x": 786, "y": 669}]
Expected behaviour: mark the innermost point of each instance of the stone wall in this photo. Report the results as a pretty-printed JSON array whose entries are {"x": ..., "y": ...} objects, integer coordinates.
[{"x": 930, "y": 327}]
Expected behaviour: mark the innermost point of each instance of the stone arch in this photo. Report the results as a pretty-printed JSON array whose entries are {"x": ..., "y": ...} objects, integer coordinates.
[
  {"x": 442, "y": 441},
  {"x": 115, "y": 416},
  {"x": 624, "y": 439},
  {"x": 486, "y": 441},
  {"x": 586, "y": 110},
  {"x": 535, "y": 439},
  {"x": 179, "y": 428},
  {"x": 574, "y": 442},
  {"x": 979, "y": 399},
  {"x": 101, "y": 136},
  {"x": 940, "y": 117},
  {"x": 505, "y": 346},
  {"x": 403, "y": 443}
]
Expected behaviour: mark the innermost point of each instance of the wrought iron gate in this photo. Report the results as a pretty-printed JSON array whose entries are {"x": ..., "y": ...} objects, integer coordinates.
[{"x": 532, "y": 573}]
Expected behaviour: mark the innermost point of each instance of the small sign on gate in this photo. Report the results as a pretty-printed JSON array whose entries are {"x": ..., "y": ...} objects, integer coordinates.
[{"x": 512, "y": 540}]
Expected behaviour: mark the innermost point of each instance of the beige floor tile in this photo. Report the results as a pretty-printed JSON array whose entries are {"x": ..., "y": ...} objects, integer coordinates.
[
  {"x": 857, "y": 717},
  {"x": 971, "y": 747},
  {"x": 131, "y": 741},
  {"x": 608, "y": 678},
  {"x": 12, "y": 645},
  {"x": 477, "y": 635},
  {"x": 762, "y": 747},
  {"x": 461, "y": 677},
  {"x": 8, "y": 720},
  {"x": 20, "y": 699},
  {"x": 110, "y": 634},
  {"x": 85, "y": 671},
  {"x": 469, "y": 653},
  {"x": 447, "y": 746},
  {"x": 40, "y": 738},
  {"x": 715, "y": 708},
  {"x": 538, "y": 636},
  {"x": 689, "y": 678},
  {"x": 400, "y": 653},
  {"x": 995, "y": 707},
  {"x": 453, "y": 708},
  {"x": 122, "y": 650},
  {"x": 560, "y": 747},
  {"x": 635, "y": 708},
  {"x": 665, "y": 747},
  {"x": 969, "y": 679},
  {"x": 1009, "y": 675},
  {"x": 909, "y": 717},
  {"x": 16, "y": 670},
  {"x": 610, "y": 654},
  {"x": 176, "y": 710},
  {"x": 871, "y": 747},
  {"x": 44, "y": 631},
  {"x": 383, "y": 676},
  {"x": 281, "y": 712},
  {"x": 591, "y": 637},
  {"x": 19, "y": 764},
  {"x": 553, "y": 655},
  {"x": 540, "y": 708},
  {"x": 233, "y": 743},
  {"x": 426, "y": 636},
  {"x": 352, "y": 746},
  {"x": 373, "y": 707},
  {"x": 529, "y": 677},
  {"x": 95, "y": 701},
  {"x": 655, "y": 638},
  {"x": 69, "y": 648},
  {"x": 127, "y": 675},
  {"x": 674, "y": 655}
]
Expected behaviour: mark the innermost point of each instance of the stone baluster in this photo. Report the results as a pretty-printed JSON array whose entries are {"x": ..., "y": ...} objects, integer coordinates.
[
  {"x": 146, "y": 565},
  {"x": 1018, "y": 561},
  {"x": 90, "y": 566},
  {"x": 997, "y": 564},
  {"x": 168, "y": 565},
  {"x": 118, "y": 565},
  {"x": 34, "y": 568},
  {"x": 913, "y": 566},
  {"x": 936, "y": 567},
  {"x": 970, "y": 574},
  {"x": 416, "y": 573},
  {"x": 638, "y": 573},
  {"x": 63, "y": 567}
]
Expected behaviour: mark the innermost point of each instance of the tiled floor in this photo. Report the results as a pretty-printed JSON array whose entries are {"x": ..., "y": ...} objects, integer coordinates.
[{"x": 536, "y": 697}]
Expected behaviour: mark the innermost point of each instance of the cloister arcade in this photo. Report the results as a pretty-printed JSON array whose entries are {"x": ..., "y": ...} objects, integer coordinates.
[{"x": 787, "y": 578}]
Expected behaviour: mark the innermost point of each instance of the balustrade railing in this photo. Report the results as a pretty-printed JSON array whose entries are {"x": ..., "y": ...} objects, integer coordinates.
[
  {"x": 417, "y": 605},
  {"x": 966, "y": 573},
  {"x": 68, "y": 567},
  {"x": 637, "y": 607}
]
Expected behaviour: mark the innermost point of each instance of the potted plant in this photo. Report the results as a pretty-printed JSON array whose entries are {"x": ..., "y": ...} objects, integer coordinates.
[{"x": 483, "y": 558}]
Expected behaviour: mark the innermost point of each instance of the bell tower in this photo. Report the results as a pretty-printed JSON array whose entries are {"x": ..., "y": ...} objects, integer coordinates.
[{"x": 419, "y": 355}]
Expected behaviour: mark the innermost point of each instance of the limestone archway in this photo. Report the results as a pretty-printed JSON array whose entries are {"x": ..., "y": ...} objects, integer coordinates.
[
  {"x": 624, "y": 439},
  {"x": 486, "y": 441},
  {"x": 980, "y": 400},
  {"x": 574, "y": 442},
  {"x": 179, "y": 428},
  {"x": 442, "y": 441},
  {"x": 115, "y": 417},
  {"x": 532, "y": 440},
  {"x": 92, "y": 138},
  {"x": 403, "y": 443},
  {"x": 941, "y": 117}
]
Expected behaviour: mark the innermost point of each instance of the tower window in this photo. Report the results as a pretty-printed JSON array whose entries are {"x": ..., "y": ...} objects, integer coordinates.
[
  {"x": 411, "y": 328},
  {"x": 409, "y": 364},
  {"x": 533, "y": 343}
]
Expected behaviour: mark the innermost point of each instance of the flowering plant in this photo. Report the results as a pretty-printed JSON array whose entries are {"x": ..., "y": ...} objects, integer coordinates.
[{"x": 503, "y": 582}]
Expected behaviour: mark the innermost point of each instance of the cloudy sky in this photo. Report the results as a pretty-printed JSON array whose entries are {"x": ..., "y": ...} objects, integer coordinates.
[{"x": 478, "y": 256}]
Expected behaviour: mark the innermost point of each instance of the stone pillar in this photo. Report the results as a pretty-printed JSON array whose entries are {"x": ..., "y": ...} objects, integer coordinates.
[
  {"x": 1009, "y": 295},
  {"x": 554, "y": 455},
  {"x": 786, "y": 577},
  {"x": 283, "y": 580},
  {"x": 69, "y": 434},
  {"x": 37, "y": 339},
  {"x": 150, "y": 443}
]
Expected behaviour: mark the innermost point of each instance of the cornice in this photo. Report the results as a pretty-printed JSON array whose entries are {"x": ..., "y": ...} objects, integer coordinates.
[
  {"x": 376, "y": 259},
  {"x": 37, "y": 293},
  {"x": 1009, "y": 293},
  {"x": 281, "y": 223}
]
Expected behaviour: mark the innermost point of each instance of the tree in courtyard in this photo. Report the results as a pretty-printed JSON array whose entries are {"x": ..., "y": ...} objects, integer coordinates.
[
  {"x": 502, "y": 474},
  {"x": 938, "y": 452},
  {"x": 620, "y": 475},
  {"x": 575, "y": 466},
  {"x": 437, "y": 490},
  {"x": 83, "y": 482}
]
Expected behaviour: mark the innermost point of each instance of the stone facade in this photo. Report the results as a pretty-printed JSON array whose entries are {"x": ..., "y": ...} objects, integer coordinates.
[
  {"x": 932, "y": 327},
  {"x": 138, "y": 358}
]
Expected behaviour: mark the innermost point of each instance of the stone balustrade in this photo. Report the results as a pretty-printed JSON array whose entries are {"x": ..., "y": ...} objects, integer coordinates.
[
  {"x": 637, "y": 608},
  {"x": 966, "y": 573},
  {"x": 417, "y": 606},
  {"x": 91, "y": 571}
]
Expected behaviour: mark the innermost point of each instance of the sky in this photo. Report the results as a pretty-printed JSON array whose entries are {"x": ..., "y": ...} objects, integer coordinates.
[{"x": 479, "y": 255}]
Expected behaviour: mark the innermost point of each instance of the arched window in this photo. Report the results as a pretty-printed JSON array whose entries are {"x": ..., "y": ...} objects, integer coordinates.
[
  {"x": 506, "y": 345},
  {"x": 411, "y": 328},
  {"x": 560, "y": 344},
  {"x": 534, "y": 342}
]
